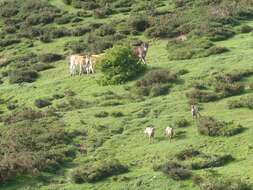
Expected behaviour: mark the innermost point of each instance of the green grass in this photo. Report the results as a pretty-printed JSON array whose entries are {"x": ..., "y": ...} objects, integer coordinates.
[{"x": 132, "y": 147}]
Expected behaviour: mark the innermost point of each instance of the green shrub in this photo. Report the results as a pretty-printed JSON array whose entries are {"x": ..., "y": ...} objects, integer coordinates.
[
  {"x": 117, "y": 114},
  {"x": 138, "y": 22},
  {"x": 50, "y": 57},
  {"x": 22, "y": 75},
  {"x": 246, "y": 29},
  {"x": 201, "y": 96},
  {"x": 181, "y": 123},
  {"x": 175, "y": 171},
  {"x": 246, "y": 102},
  {"x": 217, "y": 161},
  {"x": 211, "y": 127},
  {"x": 101, "y": 114},
  {"x": 210, "y": 182},
  {"x": 42, "y": 67},
  {"x": 98, "y": 172},
  {"x": 119, "y": 65},
  {"x": 188, "y": 153},
  {"x": 192, "y": 48},
  {"x": 41, "y": 103}
]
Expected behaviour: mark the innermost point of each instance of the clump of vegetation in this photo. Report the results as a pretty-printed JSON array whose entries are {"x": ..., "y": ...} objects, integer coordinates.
[
  {"x": 211, "y": 182},
  {"x": 215, "y": 161},
  {"x": 211, "y": 127},
  {"x": 102, "y": 114},
  {"x": 246, "y": 102},
  {"x": 201, "y": 96},
  {"x": 181, "y": 123},
  {"x": 41, "y": 103},
  {"x": 94, "y": 173},
  {"x": 22, "y": 75},
  {"x": 155, "y": 83},
  {"x": 192, "y": 48},
  {"x": 24, "y": 140},
  {"x": 119, "y": 65},
  {"x": 175, "y": 170},
  {"x": 117, "y": 114},
  {"x": 186, "y": 154}
]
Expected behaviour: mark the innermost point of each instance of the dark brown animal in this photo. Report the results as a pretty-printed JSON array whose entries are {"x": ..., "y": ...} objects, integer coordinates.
[{"x": 141, "y": 51}]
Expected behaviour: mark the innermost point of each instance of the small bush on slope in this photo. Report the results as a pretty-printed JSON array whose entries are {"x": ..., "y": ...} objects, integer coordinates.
[
  {"x": 246, "y": 102},
  {"x": 192, "y": 48},
  {"x": 98, "y": 172},
  {"x": 155, "y": 83},
  {"x": 24, "y": 141},
  {"x": 211, "y": 127},
  {"x": 119, "y": 65}
]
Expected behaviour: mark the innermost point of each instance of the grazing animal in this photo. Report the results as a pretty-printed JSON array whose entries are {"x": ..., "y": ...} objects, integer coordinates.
[
  {"x": 195, "y": 112},
  {"x": 182, "y": 37},
  {"x": 150, "y": 131},
  {"x": 169, "y": 132},
  {"x": 141, "y": 51},
  {"x": 80, "y": 62},
  {"x": 93, "y": 59}
]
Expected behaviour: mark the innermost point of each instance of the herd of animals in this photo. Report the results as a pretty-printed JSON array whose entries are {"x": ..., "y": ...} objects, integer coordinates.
[
  {"x": 80, "y": 64},
  {"x": 169, "y": 131}
]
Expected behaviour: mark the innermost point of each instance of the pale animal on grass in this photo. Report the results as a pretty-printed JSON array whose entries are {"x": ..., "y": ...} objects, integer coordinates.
[{"x": 150, "y": 131}]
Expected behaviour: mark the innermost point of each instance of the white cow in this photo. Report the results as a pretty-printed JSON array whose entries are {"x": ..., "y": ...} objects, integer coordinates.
[
  {"x": 80, "y": 62},
  {"x": 169, "y": 132},
  {"x": 150, "y": 131}
]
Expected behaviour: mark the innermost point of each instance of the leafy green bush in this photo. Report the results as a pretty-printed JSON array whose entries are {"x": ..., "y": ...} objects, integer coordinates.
[
  {"x": 217, "y": 161},
  {"x": 211, "y": 127},
  {"x": 41, "y": 103},
  {"x": 211, "y": 182},
  {"x": 186, "y": 154},
  {"x": 246, "y": 102},
  {"x": 50, "y": 57},
  {"x": 155, "y": 83},
  {"x": 201, "y": 96},
  {"x": 119, "y": 65},
  {"x": 22, "y": 75},
  {"x": 175, "y": 171},
  {"x": 117, "y": 114},
  {"x": 101, "y": 114},
  {"x": 138, "y": 22},
  {"x": 246, "y": 29},
  {"x": 98, "y": 172},
  {"x": 181, "y": 123}
]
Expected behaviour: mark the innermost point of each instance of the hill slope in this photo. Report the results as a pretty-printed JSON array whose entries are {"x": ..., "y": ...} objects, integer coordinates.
[{"x": 118, "y": 133}]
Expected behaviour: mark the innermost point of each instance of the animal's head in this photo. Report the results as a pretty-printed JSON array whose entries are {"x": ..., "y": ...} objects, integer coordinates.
[{"x": 145, "y": 46}]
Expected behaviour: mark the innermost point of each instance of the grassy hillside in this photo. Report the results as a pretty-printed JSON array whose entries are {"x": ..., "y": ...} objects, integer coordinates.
[{"x": 85, "y": 125}]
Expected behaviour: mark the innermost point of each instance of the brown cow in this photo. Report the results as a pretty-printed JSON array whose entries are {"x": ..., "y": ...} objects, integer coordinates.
[{"x": 141, "y": 51}]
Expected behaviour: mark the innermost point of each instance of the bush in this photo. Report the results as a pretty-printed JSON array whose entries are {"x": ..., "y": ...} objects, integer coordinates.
[
  {"x": 175, "y": 171},
  {"x": 117, "y": 114},
  {"x": 119, "y": 65},
  {"x": 246, "y": 102},
  {"x": 31, "y": 139},
  {"x": 42, "y": 67},
  {"x": 181, "y": 123},
  {"x": 211, "y": 127},
  {"x": 192, "y": 48},
  {"x": 41, "y": 103},
  {"x": 155, "y": 83},
  {"x": 22, "y": 75},
  {"x": 138, "y": 22},
  {"x": 98, "y": 172},
  {"x": 246, "y": 29},
  {"x": 217, "y": 161},
  {"x": 102, "y": 114},
  {"x": 201, "y": 96},
  {"x": 186, "y": 154},
  {"x": 50, "y": 57},
  {"x": 211, "y": 182}
]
